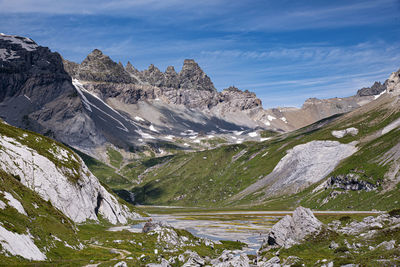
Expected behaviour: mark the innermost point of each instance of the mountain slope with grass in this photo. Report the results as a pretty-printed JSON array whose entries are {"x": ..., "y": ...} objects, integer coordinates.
[
  {"x": 58, "y": 175},
  {"x": 343, "y": 162}
]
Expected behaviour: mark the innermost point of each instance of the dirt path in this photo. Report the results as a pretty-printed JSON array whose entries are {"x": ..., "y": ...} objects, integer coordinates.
[{"x": 122, "y": 255}]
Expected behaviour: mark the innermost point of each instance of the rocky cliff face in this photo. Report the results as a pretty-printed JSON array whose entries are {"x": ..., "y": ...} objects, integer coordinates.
[
  {"x": 192, "y": 77},
  {"x": 100, "y": 68},
  {"x": 37, "y": 93},
  {"x": 393, "y": 83},
  {"x": 193, "y": 89},
  {"x": 58, "y": 176},
  {"x": 375, "y": 89}
]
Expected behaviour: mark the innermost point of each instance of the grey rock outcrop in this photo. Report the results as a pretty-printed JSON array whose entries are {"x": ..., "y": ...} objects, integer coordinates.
[
  {"x": 100, "y": 68},
  {"x": 234, "y": 100},
  {"x": 293, "y": 229},
  {"x": 192, "y": 77},
  {"x": 171, "y": 78},
  {"x": 273, "y": 262},
  {"x": 350, "y": 182},
  {"x": 231, "y": 258},
  {"x": 375, "y": 89},
  {"x": 153, "y": 76}
]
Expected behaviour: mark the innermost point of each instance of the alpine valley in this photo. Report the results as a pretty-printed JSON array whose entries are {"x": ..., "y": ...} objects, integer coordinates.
[{"x": 89, "y": 151}]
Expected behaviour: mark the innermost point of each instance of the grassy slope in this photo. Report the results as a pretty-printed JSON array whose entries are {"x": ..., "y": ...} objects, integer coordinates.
[
  {"x": 209, "y": 178},
  {"x": 103, "y": 172},
  {"x": 45, "y": 146},
  {"x": 46, "y": 224}
]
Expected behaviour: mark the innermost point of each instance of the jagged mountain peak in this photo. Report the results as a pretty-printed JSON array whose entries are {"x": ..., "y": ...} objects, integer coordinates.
[
  {"x": 153, "y": 68},
  {"x": 101, "y": 68},
  {"x": 170, "y": 69},
  {"x": 232, "y": 89},
  {"x": 193, "y": 77},
  {"x": 130, "y": 68},
  {"x": 393, "y": 83},
  {"x": 375, "y": 89},
  {"x": 96, "y": 55},
  {"x": 96, "y": 52}
]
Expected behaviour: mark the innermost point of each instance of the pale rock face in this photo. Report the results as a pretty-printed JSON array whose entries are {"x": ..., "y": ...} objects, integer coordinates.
[
  {"x": 237, "y": 261},
  {"x": 342, "y": 133},
  {"x": 14, "y": 203},
  {"x": 166, "y": 235},
  {"x": 20, "y": 245},
  {"x": 303, "y": 165},
  {"x": 393, "y": 83},
  {"x": 395, "y": 124},
  {"x": 293, "y": 229},
  {"x": 273, "y": 262},
  {"x": 80, "y": 201}
]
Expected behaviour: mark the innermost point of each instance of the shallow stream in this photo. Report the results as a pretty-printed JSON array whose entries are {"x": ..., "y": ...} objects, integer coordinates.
[{"x": 247, "y": 227}]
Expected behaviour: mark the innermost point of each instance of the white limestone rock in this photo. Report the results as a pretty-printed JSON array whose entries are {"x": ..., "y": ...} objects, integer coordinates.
[
  {"x": 387, "y": 245},
  {"x": 14, "y": 203},
  {"x": 238, "y": 261},
  {"x": 342, "y": 133},
  {"x": 393, "y": 83},
  {"x": 80, "y": 200},
  {"x": 194, "y": 259},
  {"x": 20, "y": 245},
  {"x": 293, "y": 229},
  {"x": 302, "y": 166},
  {"x": 164, "y": 263},
  {"x": 168, "y": 236}
]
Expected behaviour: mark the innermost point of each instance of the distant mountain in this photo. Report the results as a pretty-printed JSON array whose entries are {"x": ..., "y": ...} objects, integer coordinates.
[
  {"x": 351, "y": 161},
  {"x": 100, "y": 103}
]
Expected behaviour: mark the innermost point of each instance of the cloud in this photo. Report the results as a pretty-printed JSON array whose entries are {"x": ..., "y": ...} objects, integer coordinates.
[{"x": 223, "y": 15}]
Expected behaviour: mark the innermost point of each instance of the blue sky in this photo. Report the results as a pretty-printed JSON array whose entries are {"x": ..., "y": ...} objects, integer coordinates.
[{"x": 285, "y": 51}]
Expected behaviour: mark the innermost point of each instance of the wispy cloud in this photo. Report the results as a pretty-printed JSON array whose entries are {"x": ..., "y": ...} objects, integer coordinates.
[{"x": 285, "y": 51}]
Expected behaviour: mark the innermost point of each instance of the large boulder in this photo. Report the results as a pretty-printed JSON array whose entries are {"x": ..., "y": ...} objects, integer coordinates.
[{"x": 293, "y": 229}]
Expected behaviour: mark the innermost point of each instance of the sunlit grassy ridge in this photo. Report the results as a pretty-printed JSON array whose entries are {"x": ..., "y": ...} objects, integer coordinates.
[{"x": 210, "y": 178}]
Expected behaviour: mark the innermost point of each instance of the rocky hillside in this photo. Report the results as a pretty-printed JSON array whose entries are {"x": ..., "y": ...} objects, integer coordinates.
[
  {"x": 58, "y": 175},
  {"x": 192, "y": 88},
  {"x": 345, "y": 159},
  {"x": 302, "y": 239},
  {"x": 99, "y": 104}
]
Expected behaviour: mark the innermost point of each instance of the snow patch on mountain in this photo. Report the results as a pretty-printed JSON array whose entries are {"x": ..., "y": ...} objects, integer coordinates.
[
  {"x": 6, "y": 54},
  {"x": 253, "y": 134},
  {"x": 379, "y": 95},
  {"x": 20, "y": 244},
  {"x": 152, "y": 128},
  {"x": 169, "y": 137},
  {"x": 137, "y": 118},
  {"x": 26, "y": 43}
]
